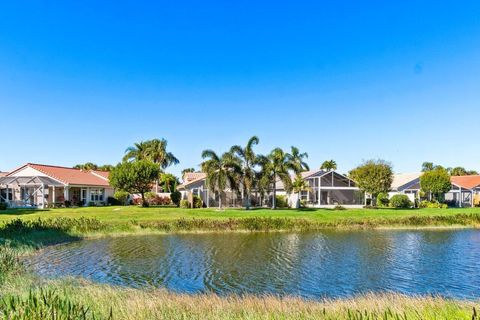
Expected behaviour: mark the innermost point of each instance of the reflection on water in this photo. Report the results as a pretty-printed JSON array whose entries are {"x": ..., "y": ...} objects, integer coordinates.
[{"x": 312, "y": 264}]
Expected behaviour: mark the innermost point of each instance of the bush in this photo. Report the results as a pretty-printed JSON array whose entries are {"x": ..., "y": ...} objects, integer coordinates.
[
  {"x": 197, "y": 202},
  {"x": 382, "y": 199},
  {"x": 338, "y": 207},
  {"x": 184, "y": 204},
  {"x": 433, "y": 205},
  {"x": 3, "y": 206},
  {"x": 67, "y": 203},
  {"x": 400, "y": 201},
  {"x": 121, "y": 197},
  {"x": 281, "y": 202},
  {"x": 176, "y": 196}
]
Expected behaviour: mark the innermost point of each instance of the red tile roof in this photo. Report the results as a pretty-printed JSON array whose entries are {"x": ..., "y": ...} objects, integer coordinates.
[
  {"x": 102, "y": 174},
  {"x": 467, "y": 182},
  {"x": 3, "y": 174},
  {"x": 66, "y": 175}
]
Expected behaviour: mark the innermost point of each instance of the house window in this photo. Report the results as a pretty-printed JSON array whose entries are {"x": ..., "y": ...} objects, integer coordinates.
[
  {"x": 4, "y": 195},
  {"x": 304, "y": 196},
  {"x": 196, "y": 192},
  {"x": 96, "y": 195}
]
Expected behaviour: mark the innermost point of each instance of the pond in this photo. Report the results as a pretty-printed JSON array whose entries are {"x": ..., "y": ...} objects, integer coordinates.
[{"x": 309, "y": 264}]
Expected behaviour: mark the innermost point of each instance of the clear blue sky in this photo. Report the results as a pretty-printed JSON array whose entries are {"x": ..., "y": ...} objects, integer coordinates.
[{"x": 351, "y": 80}]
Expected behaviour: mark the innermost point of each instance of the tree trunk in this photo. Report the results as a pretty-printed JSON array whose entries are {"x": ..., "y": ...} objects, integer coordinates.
[
  {"x": 219, "y": 201},
  {"x": 144, "y": 203},
  {"x": 247, "y": 201},
  {"x": 274, "y": 201},
  {"x": 298, "y": 200}
]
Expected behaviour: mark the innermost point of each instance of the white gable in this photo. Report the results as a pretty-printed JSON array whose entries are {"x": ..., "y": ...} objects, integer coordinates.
[{"x": 28, "y": 172}]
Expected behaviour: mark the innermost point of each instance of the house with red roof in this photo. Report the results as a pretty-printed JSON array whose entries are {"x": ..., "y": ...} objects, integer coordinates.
[
  {"x": 465, "y": 191},
  {"x": 39, "y": 186}
]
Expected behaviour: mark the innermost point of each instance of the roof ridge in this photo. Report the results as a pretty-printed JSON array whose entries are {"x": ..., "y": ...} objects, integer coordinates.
[
  {"x": 53, "y": 166},
  {"x": 48, "y": 173}
]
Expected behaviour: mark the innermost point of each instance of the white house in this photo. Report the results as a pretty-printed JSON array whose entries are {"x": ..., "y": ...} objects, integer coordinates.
[{"x": 38, "y": 186}]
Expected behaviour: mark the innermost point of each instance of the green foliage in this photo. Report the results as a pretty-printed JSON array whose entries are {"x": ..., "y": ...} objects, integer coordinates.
[
  {"x": 222, "y": 172},
  {"x": 9, "y": 262},
  {"x": 436, "y": 182},
  {"x": 329, "y": 165},
  {"x": 382, "y": 199},
  {"x": 135, "y": 177},
  {"x": 44, "y": 304},
  {"x": 433, "y": 205},
  {"x": 400, "y": 201},
  {"x": 339, "y": 208},
  {"x": 176, "y": 196},
  {"x": 184, "y": 204},
  {"x": 3, "y": 206},
  {"x": 197, "y": 202},
  {"x": 121, "y": 196},
  {"x": 282, "y": 201},
  {"x": 150, "y": 195},
  {"x": 373, "y": 176}
]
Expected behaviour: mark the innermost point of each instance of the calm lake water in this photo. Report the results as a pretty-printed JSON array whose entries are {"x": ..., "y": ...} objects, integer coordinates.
[{"x": 312, "y": 264}]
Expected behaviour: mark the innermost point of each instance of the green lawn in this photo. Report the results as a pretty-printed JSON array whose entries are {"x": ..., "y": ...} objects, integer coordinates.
[{"x": 114, "y": 215}]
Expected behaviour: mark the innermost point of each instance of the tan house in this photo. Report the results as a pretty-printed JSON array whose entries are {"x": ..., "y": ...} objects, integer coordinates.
[
  {"x": 39, "y": 186},
  {"x": 327, "y": 190}
]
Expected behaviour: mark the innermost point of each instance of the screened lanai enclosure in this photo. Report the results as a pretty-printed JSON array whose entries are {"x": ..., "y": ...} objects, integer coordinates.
[
  {"x": 330, "y": 189},
  {"x": 28, "y": 192}
]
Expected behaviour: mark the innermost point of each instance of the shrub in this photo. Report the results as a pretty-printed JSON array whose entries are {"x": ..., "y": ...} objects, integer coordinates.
[
  {"x": 197, "y": 202},
  {"x": 400, "y": 201},
  {"x": 121, "y": 197},
  {"x": 338, "y": 207},
  {"x": 176, "y": 196},
  {"x": 382, "y": 199},
  {"x": 184, "y": 204},
  {"x": 91, "y": 204},
  {"x": 3, "y": 206},
  {"x": 67, "y": 203},
  {"x": 281, "y": 202},
  {"x": 433, "y": 205},
  {"x": 150, "y": 195}
]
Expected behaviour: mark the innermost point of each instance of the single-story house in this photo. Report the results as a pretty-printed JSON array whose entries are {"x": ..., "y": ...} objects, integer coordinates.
[
  {"x": 38, "y": 186},
  {"x": 406, "y": 183},
  {"x": 465, "y": 191},
  {"x": 327, "y": 189}
]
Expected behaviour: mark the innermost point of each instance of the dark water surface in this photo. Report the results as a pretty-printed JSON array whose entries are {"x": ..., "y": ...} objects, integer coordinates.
[{"x": 310, "y": 264}]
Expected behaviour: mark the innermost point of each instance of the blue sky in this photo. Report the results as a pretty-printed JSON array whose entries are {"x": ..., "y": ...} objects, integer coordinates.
[{"x": 83, "y": 80}]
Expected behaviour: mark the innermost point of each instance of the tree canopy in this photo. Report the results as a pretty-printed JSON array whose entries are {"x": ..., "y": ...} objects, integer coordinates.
[
  {"x": 329, "y": 165},
  {"x": 373, "y": 177},
  {"x": 435, "y": 182},
  {"x": 135, "y": 177}
]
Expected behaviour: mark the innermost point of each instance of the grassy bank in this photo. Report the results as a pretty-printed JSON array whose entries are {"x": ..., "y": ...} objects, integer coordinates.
[
  {"x": 74, "y": 299},
  {"x": 38, "y": 228}
]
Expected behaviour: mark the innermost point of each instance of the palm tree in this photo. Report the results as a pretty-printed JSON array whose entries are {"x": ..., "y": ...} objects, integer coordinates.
[
  {"x": 157, "y": 152},
  {"x": 278, "y": 167},
  {"x": 153, "y": 150},
  {"x": 248, "y": 160},
  {"x": 427, "y": 166},
  {"x": 329, "y": 165},
  {"x": 297, "y": 160},
  {"x": 139, "y": 151},
  {"x": 299, "y": 185},
  {"x": 187, "y": 170},
  {"x": 86, "y": 166},
  {"x": 169, "y": 182},
  {"x": 222, "y": 172}
]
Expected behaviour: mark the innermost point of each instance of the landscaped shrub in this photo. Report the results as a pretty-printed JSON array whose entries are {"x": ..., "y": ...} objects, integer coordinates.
[
  {"x": 281, "y": 202},
  {"x": 184, "y": 204},
  {"x": 3, "y": 206},
  {"x": 400, "y": 201},
  {"x": 67, "y": 203},
  {"x": 121, "y": 197},
  {"x": 338, "y": 207},
  {"x": 433, "y": 205},
  {"x": 176, "y": 196},
  {"x": 197, "y": 202},
  {"x": 382, "y": 199}
]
